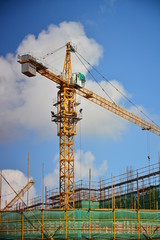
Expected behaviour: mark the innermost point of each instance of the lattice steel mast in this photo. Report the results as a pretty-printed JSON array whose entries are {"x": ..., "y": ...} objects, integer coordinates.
[{"x": 66, "y": 119}]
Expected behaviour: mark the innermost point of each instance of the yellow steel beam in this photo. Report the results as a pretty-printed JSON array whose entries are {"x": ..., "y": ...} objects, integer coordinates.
[
  {"x": 16, "y": 198},
  {"x": 121, "y": 112},
  {"x": 22, "y": 226}
]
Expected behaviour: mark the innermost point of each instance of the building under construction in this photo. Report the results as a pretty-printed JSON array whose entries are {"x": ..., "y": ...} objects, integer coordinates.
[{"x": 120, "y": 207}]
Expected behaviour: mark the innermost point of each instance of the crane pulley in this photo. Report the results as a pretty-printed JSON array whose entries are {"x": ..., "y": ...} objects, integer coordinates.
[{"x": 69, "y": 86}]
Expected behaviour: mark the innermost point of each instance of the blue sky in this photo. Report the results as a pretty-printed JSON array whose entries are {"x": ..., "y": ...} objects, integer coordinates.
[{"x": 125, "y": 48}]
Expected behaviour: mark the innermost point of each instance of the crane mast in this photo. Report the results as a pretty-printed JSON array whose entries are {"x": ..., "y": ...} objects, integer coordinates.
[{"x": 67, "y": 118}]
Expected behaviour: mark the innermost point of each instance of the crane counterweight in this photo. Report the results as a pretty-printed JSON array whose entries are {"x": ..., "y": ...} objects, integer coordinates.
[{"x": 30, "y": 65}]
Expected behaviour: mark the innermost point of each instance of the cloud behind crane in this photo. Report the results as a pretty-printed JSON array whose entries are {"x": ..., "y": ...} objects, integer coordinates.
[
  {"x": 83, "y": 161},
  {"x": 26, "y": 102}
]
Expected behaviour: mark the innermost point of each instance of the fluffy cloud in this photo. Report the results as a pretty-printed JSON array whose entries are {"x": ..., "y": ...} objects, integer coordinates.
[
  {"x": 86, "y": 160},
  {"x": 17, "y": 180},
  {"x": 51, "y": 179},
  {"x": 103, "y": 121},
  {"x": 57, "y": 36},
  {"x": 83, "y": 161},
  {"x": 26, "y": 102}
]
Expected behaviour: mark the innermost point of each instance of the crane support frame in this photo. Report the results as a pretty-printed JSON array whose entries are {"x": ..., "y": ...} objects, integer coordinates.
[
  {"x": 66, "y": 129},
  {"x": 66, "y": 119}
]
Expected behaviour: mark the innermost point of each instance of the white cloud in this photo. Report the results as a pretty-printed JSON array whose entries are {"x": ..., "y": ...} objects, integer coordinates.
[
  {"x": 83, "y": 161},
  {"x": 26, "y": 102},
  {"x": 51, "y": 179},
  {"x": 86, "y": 160},
  {"x": 99, "y": 121},
  {"x": 17, "y": 180},
  {"x": 57, "y": 36}
]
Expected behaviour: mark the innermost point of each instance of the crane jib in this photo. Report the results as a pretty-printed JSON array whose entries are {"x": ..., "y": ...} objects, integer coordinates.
[
  {"x": 112, "y": 107},
  {"x": 34, "y": 65}
]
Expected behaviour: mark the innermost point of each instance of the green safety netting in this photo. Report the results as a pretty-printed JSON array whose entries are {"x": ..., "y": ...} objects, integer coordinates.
[
  {"x": 85, "y": 204},
  {"x": 75, "y": 224},
  {"x": 147, "y": 200}
]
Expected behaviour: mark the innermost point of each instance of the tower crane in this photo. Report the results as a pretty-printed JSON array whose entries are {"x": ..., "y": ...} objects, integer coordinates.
[{"x": 66, "y": 117}]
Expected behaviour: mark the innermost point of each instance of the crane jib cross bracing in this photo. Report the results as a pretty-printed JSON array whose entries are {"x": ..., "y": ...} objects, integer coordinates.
[{"x": 66, "y": 117}]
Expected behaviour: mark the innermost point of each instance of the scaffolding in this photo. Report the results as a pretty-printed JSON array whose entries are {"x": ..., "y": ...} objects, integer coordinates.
[
  {"x": 121, "y": 207},
  {"x": 131, "y": 190}
]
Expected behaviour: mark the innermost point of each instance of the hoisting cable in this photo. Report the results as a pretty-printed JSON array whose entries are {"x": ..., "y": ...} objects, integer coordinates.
[
  {"x": 51, "y": 53},
  {"x": 116, "y": 89},
  {"x": 95, "y": 80},
  {"x": 50, "y": 237},
  {"x": 148, "y": 146},
  {"x": 54, "y": 51}
]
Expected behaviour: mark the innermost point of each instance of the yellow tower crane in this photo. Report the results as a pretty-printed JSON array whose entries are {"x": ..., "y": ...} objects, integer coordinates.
[{"x": 66, "y": 117}]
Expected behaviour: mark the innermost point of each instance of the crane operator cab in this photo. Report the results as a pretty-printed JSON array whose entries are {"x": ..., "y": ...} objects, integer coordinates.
[{"x": 78, "y": 80}]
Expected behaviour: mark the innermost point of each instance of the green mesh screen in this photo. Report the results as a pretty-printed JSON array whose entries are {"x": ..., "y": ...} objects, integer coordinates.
[
  {"x": 80, "y": 224},
  {"x": 147, "y": 200},
  {"x": 85, "y": 204}
]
